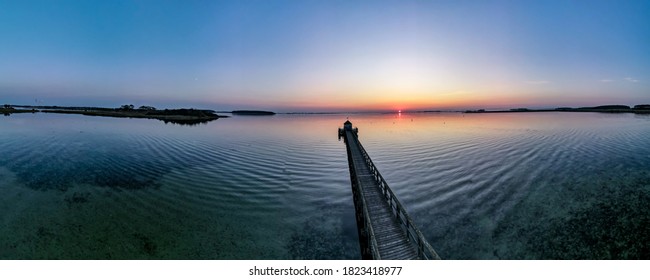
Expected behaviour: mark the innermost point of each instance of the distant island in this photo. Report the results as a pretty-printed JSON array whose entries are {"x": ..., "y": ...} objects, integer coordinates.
[
  {"x": 638, "y": 109},
  {"x": 252, "y": 113},
  {"x": 9, "y": 109},
  {"x": 177, "y": 116}
]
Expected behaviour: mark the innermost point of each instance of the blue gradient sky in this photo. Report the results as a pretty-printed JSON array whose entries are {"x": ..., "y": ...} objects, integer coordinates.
[{"x": 325, "y": 55}]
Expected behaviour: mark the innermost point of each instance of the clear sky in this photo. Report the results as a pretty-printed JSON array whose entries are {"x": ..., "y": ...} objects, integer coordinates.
[{"x": 325, "y": 55}]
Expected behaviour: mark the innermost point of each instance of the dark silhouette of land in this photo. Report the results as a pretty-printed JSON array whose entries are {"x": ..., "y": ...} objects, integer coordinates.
[
  {"x": 9, "y": 109},
  {"x": 178, "y": 116},
  {"x": 252, "y": 113},
  {"x": 638, "y": 109}
]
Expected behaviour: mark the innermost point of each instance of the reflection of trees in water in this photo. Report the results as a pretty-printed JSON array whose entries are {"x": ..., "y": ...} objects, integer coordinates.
[{"x": 187, "y": 122}]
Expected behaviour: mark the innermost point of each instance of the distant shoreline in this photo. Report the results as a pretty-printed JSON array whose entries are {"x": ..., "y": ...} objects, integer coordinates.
[
  {"x": 189, "y": 116},
  {"x": 252, "y": 113},
  {"x": 638, "y": 109},
  {"x": 8, "y": 111},
  {"x": 177, "y": 116}
]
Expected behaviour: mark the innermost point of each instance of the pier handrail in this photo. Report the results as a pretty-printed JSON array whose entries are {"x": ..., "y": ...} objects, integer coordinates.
[{"x": 425, "y": 251}]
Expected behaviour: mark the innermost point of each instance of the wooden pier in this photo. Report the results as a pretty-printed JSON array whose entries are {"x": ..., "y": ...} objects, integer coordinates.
[{"x": 385, "y": 229}]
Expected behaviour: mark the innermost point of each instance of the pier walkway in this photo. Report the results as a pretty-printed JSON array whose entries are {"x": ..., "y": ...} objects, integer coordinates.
[{"x": 385, "y": 229}]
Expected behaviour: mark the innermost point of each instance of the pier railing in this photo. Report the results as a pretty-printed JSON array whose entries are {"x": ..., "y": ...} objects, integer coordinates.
[{"x": 425, "y": 251}]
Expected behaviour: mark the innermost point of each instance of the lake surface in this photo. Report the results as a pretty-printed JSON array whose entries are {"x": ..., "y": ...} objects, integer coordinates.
[{"x": 480, "y": 186}]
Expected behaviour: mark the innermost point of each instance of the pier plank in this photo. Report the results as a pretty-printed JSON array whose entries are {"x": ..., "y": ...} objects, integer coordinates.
[{"x": 390, "y": 236}]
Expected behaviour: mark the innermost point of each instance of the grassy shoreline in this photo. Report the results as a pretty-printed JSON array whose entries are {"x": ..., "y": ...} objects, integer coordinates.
[
  {"x": 9, "y": 111},
  {"x": 178, "y": 116}
]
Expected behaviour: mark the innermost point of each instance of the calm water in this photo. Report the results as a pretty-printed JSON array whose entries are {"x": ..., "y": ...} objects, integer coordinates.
[{"x": 479, "y": 186}]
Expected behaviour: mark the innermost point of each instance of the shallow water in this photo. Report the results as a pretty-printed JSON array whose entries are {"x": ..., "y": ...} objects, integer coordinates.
[{"x": 479, "y": 186}]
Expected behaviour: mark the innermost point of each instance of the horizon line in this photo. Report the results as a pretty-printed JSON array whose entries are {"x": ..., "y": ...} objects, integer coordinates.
[{"x": 361, "y": 111}]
